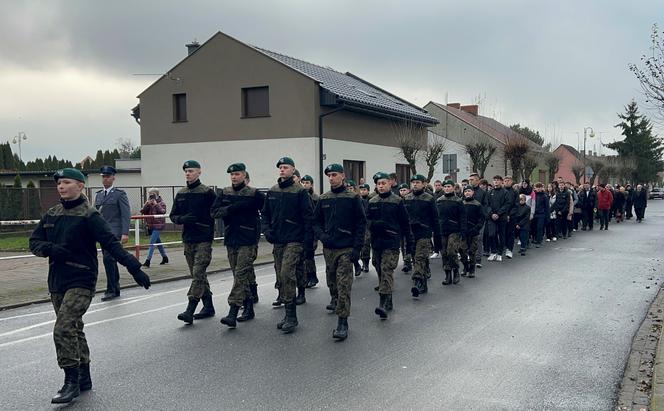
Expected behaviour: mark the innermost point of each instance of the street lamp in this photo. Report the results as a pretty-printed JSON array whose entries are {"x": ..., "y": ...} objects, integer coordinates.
[
  {"x": 17, "y": 140},
  {"x": 592, "y": 134}
]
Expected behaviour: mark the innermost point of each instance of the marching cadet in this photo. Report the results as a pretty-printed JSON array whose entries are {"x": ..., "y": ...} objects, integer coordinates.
[
  {"x": 421, "y": 207},
  {"x": 340, "y": 224},
  {"x": 287, "y": 217},
  {"x": 311, "y": 279},
  {"x": 365, "y": 254},
  {"x": 68, "y": 235},
  {"x": 403, "y": 191},
  {"x": 238, "y": 205},
  {"x": 113, "y": 205},
  {"x": 388, "y": 223},
  {"x": 474, "y": 211},
  {"x": 453, "y": 229},
  {"x": 191, "y": 209}
]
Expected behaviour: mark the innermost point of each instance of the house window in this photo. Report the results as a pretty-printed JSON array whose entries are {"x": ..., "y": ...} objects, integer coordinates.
[
  {"x": 449, "y": 163},
  {"x": 354, "y": 170},
  {"x": 179, "y": 107},
  {"x": 255, "y": 102},
  {"x": 403, "y": 173}
]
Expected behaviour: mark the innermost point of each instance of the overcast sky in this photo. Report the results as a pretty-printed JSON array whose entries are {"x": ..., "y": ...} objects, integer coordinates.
[{"x": 67, "y": 67}]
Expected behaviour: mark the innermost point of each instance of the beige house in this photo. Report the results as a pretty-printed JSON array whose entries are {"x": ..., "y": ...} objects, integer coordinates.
[{"x": 231, "y": 102}]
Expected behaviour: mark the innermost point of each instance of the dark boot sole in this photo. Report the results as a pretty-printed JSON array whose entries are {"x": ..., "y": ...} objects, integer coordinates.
[
  {"x": 247, "y": 318},
  {"x": 381, "y": 313},
  {"x": 200, "y": 316},
  {"x": 288, "y": 328},
  {"x": 415, "y": 292},
  {"x": 230, "y": 323},
  {"x": 188, "y": 320},
  {"x": 339, "y": 337}
]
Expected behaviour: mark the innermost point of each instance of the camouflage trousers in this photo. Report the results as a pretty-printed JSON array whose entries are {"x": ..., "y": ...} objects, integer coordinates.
[
  {"x": 421, "y": 261},
  {"x": 385, "y": 262},
  {"x": 407, "y": 258},
  {"x": 306, "y": 269},
  {"x": 286, "y": 259},
  {"x": 198, "y": 257},
  {"x": 241, "y": 260},
  {"x": 339, "y": 275},
  {"x": 450, "y": 248},
  {"x": 468, "y": 250},
  {"x": 252, "y": 273},
  {"x": 365, "y": 253},
  {"x": 71, "y": 347}
]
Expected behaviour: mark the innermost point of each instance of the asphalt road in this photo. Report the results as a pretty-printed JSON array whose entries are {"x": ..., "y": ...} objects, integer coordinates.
[{"x": 551, "y": 330}]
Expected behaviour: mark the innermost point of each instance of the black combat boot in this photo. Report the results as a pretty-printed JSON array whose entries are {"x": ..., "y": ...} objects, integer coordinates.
[
  {"x": 146, "y": 264},
  {"x": 358, "y": 269},
  {"x": 448, "y": 277},
  {"x": 388, "y": 302},
  {"x": 407, "y": 266},
  {"x": 300, "y": 299},
  {"x": 365, "y": 266},
  {"x": 425, "y": 287},
  {"x": 188, "y": 314},
  {"x": 207, "y": 310},
  {"x": 471, "y": 271},
  {"x": 248, "y": 312},
  {"x": 381, "y": 310},
  {"x": 254, "y": 292},
  {"x": 313, "y": 280},
  {"x": 415, "y": 289},
  {"x": 332, "y": 306},
  {"x": 231, "y": 318},
  {"x": 278, "y": 302},
  {"x": 341, "y": 333},
  {"x": 465, "y": 269},
  {"x": 290, "y": 322},
  {"x": 84, "y": 380},
  {"x": 164, "y": 260},
  {"x": 70, "y": 389},
  {"x": 456, "y": 278}
]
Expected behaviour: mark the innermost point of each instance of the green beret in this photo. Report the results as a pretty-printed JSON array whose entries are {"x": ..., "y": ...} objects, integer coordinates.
[
  {"x": 191, "y": 164},
  {"x": 334, "y": 168},
  {"x": 365, "y": 185},
  {"x": 404, "y": 185},
  {"x": 351, "y": 183},
  {"x": 236, "y": 167},
  {"x": 296, "y": 172},
  {"x": 418, "y": 177},
  {"x": 308, "y": 178},
  {"x": 286, "y": 160},
  {"x": 72, "y": 173},
  {"x": 448, "y": 183},
  {"x": 380, "y": 176}
]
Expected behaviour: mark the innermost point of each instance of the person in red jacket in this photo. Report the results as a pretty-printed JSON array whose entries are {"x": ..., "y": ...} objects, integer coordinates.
[
  {"x": 155, "y": 206},
  {"x": 604, "y": 202}
]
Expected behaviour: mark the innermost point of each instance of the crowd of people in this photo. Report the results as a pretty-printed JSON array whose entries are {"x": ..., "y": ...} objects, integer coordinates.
[{"x": 356, "y": 224}]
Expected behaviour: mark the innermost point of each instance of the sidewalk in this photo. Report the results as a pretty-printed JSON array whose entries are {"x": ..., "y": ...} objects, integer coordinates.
[{"x": 24, "y": 281}]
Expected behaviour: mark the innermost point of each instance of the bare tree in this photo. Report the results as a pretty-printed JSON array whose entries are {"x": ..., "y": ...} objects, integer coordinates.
[
  {"x": 125, "y": 147},
  {"x": 597, "y": 164},
  {"x": 516, "y": 149},
  {"x": 552, "y": 162},
  {"x": 651, "y": 73},
  {"x": 480, "y": 153},
  {"x": 408, "y": 135},
  {"x": 530, "y": 162},
  {"x": 432, "y": 153},
  {"x": 578, "y": 169}
]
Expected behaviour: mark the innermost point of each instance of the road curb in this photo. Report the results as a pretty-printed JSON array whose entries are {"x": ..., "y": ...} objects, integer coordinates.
[{"x": 657, "y": 398}]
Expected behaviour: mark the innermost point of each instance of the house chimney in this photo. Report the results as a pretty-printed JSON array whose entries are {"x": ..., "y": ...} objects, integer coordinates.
[
  {"x": 191, "y": 47},
  {"x": 471, "y": 109},
  {"x": 454, "y": 105}
]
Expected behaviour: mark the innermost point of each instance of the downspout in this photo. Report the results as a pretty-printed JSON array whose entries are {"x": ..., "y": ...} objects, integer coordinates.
[{"x": 321, "y": 166}]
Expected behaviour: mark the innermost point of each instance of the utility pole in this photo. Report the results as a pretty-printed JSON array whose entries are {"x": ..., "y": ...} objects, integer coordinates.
[
  {"x": 17, "y": 140},
  {"x": 592, "y": 134}
]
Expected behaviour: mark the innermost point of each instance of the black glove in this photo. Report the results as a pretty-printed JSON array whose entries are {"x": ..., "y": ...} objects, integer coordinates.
[
  {"x": 141, "y": 278},
  {"x": 59, "y": 253},
  {"x": 187, "y": 219},
  {"x": 269, "y": 236},
  {"x": 309, "y": 253},
  {"x": 355, "y": 256}
]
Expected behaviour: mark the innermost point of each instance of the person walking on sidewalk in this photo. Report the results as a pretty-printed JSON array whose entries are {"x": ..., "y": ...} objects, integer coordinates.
[
  {"x": 68, "y": 235},
  {"x": 452, "y": 219},
  {"x": 522, "y": 223},
  {"x": 239, "y": 206},
  {"x": 192, "y": 210},
  {"x": 309, "y": 265},
  {"x": 287, "y": 217},
  {"x": 640, "y": 202},
  {"x": 113, "y": 205},
  {"x": 340, "y": 224},
  {"x": 475, "y": 216},
  {"x": 604, "y": 202},
  {"x": 512, "y": 194},
  {"x": 499, "y": 207},
  {"x": 541, "y": 213},
  {"x": 365, "y": 254},
  {"x": 588, "y": 203},
  {"x": 155, "y": 206}
]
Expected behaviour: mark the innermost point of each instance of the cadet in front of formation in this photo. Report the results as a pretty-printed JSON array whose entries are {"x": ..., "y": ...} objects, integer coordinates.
[{"x": 68, "y": 235}]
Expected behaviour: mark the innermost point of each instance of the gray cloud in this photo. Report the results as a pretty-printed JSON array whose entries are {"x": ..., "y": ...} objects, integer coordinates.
[{"x": 549, "y": 65}]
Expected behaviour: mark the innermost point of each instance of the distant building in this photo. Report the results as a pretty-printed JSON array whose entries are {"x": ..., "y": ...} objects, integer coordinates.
[{"x": 228, "y": 101}]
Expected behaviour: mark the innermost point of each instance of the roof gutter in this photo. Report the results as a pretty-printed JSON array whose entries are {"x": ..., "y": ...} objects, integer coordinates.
[
  {"x": 352, "y": 106},
  {"x": 321, "y": 167}
]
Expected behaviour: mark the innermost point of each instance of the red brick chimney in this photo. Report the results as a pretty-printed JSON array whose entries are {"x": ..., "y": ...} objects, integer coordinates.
[
  {"x": 471, "y": 109},
  {"x": 454, "y": 105}
]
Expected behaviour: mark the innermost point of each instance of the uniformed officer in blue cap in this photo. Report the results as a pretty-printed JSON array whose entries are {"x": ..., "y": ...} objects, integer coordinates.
[{"x": 113, "y": 204}]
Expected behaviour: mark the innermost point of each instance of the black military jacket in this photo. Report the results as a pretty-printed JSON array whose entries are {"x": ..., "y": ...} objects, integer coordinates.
[
  {"x": 339, "y": 220},
  {"x": 78, "y": 227},
  {"x": 196, "y": 199},
  {"x": 388, "y": 222},
  {"x": 287, "y": 214},
  {"x": 474, "y": 216},
  {"x": 451, "y": 214},
  {"x": 423, "y": 215},
  {"x": 239, "y": 207}
]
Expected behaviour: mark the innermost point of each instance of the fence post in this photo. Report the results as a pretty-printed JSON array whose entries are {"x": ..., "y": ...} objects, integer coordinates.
[{"x": 137, "y": 247}]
